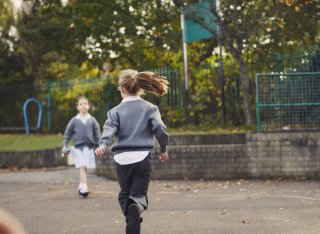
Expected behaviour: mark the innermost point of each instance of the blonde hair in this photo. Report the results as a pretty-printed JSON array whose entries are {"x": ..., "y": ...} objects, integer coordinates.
[{"x": 139, "y": 82}]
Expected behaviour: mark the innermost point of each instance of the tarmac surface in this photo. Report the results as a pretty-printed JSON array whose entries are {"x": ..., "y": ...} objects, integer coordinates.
[{"x": 46, "y": 201}]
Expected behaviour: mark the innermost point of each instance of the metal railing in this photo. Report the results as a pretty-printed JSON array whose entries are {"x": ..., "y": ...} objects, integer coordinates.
[{"x": 58, "y": 100}]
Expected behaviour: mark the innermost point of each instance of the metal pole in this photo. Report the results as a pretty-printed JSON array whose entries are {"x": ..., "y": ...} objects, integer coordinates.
[
  {"x": 49, "y": 106},
  {"x": 221, "y": 72},
  {"x": 257, "y": 104},
  {"x": 185, "y": 66}
]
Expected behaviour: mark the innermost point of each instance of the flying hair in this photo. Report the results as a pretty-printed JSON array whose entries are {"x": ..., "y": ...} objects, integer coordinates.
[{"x": 140, "y": 82}]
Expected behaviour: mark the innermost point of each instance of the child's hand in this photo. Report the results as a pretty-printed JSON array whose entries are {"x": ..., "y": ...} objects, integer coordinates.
[
  {"x": 63, "y": 148},
  {"x": 65, "y": 151},
  {"x": 164, "y": 157},
  {"x": 100, "y": 150}
]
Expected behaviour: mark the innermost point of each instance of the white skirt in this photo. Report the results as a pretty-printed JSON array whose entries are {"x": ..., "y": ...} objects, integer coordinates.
[{"x": 84, "y": 158}]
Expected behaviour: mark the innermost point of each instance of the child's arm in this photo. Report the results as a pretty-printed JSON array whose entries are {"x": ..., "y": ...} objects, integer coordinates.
[
  {"x": 110, "y": 128},
  {"x": 96, "y": 132},
  {"x": 159, "y": 129},
  {"x": 67, "y": 135}
]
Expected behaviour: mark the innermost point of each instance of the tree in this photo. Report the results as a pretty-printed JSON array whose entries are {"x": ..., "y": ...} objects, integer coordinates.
[
  {"x": 125, "y": 31},
  {"x": 8, "y": 61},
  {"x": 6, "y": 14},
  {"x": 247, "y": 27},
  {"x": 96, "y": 32}
]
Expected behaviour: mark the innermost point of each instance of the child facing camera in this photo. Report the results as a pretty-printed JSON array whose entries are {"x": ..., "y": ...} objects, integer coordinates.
[{"x": 84, "y": 130}]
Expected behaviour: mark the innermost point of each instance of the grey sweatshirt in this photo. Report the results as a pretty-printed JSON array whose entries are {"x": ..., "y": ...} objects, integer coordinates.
[
  {"x": 87, "y": 134},
  {"x": 134, "y": 123}
]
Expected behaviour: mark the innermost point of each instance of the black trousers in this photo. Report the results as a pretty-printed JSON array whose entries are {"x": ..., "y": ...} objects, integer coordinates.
[{"x": 134, "y": 184}]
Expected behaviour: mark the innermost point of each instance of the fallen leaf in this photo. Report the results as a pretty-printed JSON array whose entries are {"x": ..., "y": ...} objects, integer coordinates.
[{"x": 245, "y": 221}]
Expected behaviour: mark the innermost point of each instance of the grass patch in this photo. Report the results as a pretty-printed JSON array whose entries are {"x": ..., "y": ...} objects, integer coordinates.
[{"x": 20, "y": 142}]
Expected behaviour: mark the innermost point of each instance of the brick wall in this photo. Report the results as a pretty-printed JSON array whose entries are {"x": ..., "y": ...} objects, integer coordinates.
[
  {"x": 232, "y": 156},
  {"x": 33, "y": 159},
  {"x": 286, "y": 155}
]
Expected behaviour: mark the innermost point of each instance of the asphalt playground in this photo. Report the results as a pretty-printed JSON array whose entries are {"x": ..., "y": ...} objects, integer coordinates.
[{"x": 46, "y": 201}]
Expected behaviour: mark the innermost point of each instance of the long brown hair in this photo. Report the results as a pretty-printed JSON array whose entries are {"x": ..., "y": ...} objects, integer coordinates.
[{"x": 139, "y": 82}]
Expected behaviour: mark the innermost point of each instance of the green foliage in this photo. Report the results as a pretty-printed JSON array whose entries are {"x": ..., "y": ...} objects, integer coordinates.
[
  {"x": 53, "y": 38},
  {"x": 6, "y": 14},
  {"x": 96, "y": 38},
  {"x": 252, "y": 32},
  {"x": 173, "y": 117}
]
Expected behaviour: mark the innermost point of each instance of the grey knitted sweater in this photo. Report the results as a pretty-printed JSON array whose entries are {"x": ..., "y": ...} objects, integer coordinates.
[
  {"x": 134, "y": 123},
  {"x": 87, "y": 134}
]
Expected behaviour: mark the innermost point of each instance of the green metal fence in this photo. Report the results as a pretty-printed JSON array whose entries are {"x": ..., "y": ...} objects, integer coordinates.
[
  {"x": 299, "y": 61},
  {"x": 288, "y": 101},
  {"x": 58, "y": 101}
]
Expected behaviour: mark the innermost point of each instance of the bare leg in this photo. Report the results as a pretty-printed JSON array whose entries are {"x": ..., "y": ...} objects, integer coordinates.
[
  {"x": 83, "y": 175},
  {"x": 83, "y": 188}
]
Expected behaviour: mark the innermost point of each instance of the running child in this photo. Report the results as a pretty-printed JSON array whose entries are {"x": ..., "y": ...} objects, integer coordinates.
[
  {"x": 135, "y": 122},
  {"x": 84, "y": 130}
]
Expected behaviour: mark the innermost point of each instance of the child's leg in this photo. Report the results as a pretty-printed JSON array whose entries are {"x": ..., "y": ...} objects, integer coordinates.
[
  {"x": 124, "y": 176},
  {"x": 80, "y": 162},
  {"x": 134, "y": 183},
  {"x": 83, "y": 187},
  {"x": 83, "y": 175},
  {"x": 140, "y": 184},
  {"x": 138, "y": 199}
]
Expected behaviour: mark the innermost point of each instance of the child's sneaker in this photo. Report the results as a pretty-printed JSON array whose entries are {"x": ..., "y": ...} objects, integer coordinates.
[
  {"x": 133, "y": 219},
  {"x": 84, "y": 194},
  {"x": 83, "y": 190}
]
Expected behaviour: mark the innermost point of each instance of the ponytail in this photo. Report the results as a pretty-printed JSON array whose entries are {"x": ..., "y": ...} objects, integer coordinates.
[{"x": 139, "y": 82}]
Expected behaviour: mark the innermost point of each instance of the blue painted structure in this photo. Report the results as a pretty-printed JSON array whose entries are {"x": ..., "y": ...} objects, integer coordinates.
[{"x": 25, "y": 105}]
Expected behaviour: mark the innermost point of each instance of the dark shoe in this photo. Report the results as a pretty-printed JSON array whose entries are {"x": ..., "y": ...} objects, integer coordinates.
[
  {"x": 141, "y": 220},
  {"x": 133, "y": 219},
  {"x": 84, "y": 194}
]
